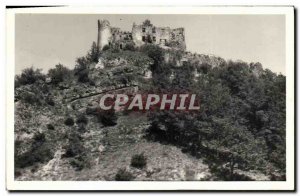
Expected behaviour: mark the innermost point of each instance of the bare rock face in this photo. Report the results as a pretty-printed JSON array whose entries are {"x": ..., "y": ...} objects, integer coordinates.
[
  {"x": 100, "y": 64},
  {"x": 101, "y": 148}
]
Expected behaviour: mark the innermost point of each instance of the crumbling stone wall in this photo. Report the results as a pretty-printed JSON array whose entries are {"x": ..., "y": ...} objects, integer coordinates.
[
  {"x": 145, "y": 33},
  {"x": 120, "y": 38},
  {"x": 163, "y": 36}
]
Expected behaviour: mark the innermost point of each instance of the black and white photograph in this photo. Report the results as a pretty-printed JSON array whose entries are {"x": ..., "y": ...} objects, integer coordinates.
[{"x": 183, "y": 98}]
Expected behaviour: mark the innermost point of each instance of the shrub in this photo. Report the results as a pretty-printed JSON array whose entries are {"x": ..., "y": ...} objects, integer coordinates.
[
  {"x": 17, "y": 173},
  {"x": 93, "y": 54},
  {"x": 74, "y": 146},
  {"x": 115, "y": 50},
  {"x": 92, "y": 83},
  {"x": 156, "y": 53},
  {"x": 39, "y": 151},
  {"x": 107, "y": 117},
  {"x": 58, "y": 74},
  {"x": 31, "y": 98},
  {"x": 81, "y": 69},
  {"x": 69, "y": 121},
  {"x": 77, "y": 163},
  {"x": 76, "y": 151},
  {"x": 39, "y": 138},
  {"x": 29, "y": 76},
  {"x": 81, "y": 128},
  {"x": 106, "y": 47},
  {"x": 50, "y": 127},
  {"x": 50, "y": 101},
  {"x": 129, "y": 46},
  {"x": 82, "y": 119},
  {"x": 139, "y": 161},
  {"x": 123, "y": 175},
  {"x": 83, "y": 76}
]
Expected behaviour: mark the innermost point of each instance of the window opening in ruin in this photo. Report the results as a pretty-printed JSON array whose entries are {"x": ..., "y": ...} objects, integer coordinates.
[
  {"x": 144, "y": 29},
  {"x": 154, "y": 39},
  {"x": 121, "y": 47},
  {"x": 143, "y": 38},
  {"x": 149, "y": 40},
  {"x": 162, "y": 42}
]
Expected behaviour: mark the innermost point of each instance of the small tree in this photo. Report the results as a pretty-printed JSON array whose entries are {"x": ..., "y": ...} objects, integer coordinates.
[
  {"x": 147, "y": 22},
  {"x": 93, "y": 54},
  {"x": 82, "y": 70},
  {"x": 157, "y": 54},
  {"x": 239, "y": 146},
  {"x": 59, "y": 73},
  {"x": 139, "y": 161}
]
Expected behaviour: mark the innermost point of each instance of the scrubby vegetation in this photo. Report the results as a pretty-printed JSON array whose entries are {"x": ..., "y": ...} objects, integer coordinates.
[
  {"x": 39, "y": 152},
  {"x": 124, "y": 175},
  {"x": 139, "y": 161},
  {"x": 241, "y": 124},
  {"x": 50, "y": 126},
  {"x": 82, "y": 119},
  {"x": 29, "y": 76},
  {"x": 107, "y": 117},
  {"x": 69, "y": 121},
  {"x": 59, "y": 74}
]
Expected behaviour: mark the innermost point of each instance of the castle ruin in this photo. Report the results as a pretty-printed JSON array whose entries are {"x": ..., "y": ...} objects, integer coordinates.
[{"x": 145, "y": 33}]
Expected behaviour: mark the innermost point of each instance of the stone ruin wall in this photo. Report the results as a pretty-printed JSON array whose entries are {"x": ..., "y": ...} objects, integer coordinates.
[
  {"x": 140, "y": 35},
  {"x": 163, "y": 36}
]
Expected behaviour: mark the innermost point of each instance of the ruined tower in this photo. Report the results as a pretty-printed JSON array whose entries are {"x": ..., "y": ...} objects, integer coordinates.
[{"x": 104, "y": 33}]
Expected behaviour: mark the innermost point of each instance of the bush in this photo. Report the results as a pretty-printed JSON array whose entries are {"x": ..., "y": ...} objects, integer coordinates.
[
  {"x": 39, "y": 151},
  {"x": 93, "y": 54},
  {"x": 74, "y": 146},
  {"x": 31, "y": 98},
  {"x": 82, "y": 119},
  {"x": 76, "y": 151},
  {"x": 81, "y": 128},
  {"x": 82, "y": 70},
  {"x": 29, "y": 76},
  {"x": 92, "y": 83},
  {"x": 83, "y": 76},
  {"x": 77, "y": 163},
  {"x": 129, "y": 46},
  {"x": 139, "y": 161},
  {"x": 156, "y": 53},
  {"x": 106, "y": 47},
  {"x": 69, "y": 121},
  {"x": 107, "y": 117},
  {"x": 58, "y": 74},
  {"x": 50, "y": 127},
  {"x": 123, "y": 175},
  {"x": 50, "y": 101}
]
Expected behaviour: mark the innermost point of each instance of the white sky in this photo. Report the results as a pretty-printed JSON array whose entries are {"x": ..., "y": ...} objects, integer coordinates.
[{"x": 43, "y": 40}]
